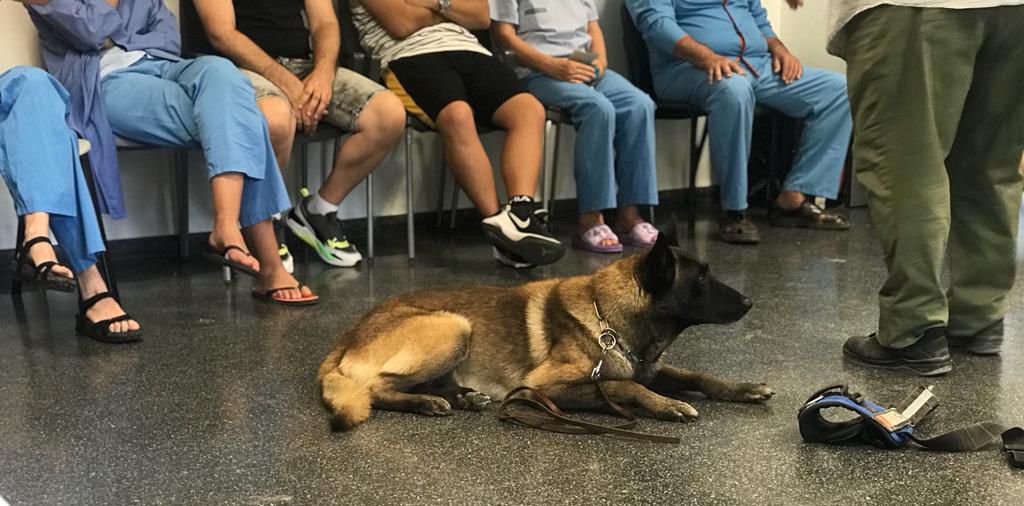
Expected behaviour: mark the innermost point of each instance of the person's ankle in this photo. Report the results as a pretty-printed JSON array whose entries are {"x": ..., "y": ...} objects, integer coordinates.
[
  {"x": 789, "y": 200},
  {"x": 90, "y": 283}
]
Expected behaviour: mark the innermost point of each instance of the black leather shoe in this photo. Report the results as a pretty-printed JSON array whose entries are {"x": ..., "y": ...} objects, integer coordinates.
[
  {"x": 929, "y": 356},
  {"x": 734, "y": 227},
  {"x": 986, "y": 342}
]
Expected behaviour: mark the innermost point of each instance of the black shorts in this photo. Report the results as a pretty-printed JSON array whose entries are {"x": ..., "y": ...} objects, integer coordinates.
[{"x": 427, "y": 83}]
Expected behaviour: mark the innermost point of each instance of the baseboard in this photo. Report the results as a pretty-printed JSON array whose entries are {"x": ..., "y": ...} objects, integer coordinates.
[{"x": 389, "y": 231}]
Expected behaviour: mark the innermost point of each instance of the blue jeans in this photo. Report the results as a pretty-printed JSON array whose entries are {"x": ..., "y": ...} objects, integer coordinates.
[
  {"x": 819, "y": 97},
  {"x": 614, "y": 122},
  {"x": 40, "y": 164},
  {"x": 207, "y": 104}
]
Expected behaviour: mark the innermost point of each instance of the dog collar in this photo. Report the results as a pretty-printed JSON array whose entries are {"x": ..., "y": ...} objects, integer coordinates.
[{"x": 609, "y": 339}]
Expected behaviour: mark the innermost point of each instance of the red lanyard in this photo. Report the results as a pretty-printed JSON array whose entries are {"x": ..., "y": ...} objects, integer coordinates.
[{"x": 743, "y": 40}]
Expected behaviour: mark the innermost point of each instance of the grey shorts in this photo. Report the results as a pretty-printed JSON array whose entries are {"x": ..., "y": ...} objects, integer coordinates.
[{"x": 352, "y": 91}]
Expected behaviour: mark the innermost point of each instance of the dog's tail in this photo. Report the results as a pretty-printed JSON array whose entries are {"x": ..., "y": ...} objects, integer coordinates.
[{"x": 348, "y": 400}]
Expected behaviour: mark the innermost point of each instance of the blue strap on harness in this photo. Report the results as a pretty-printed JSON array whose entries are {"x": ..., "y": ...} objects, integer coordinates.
[{"x": 866, "y": 428}]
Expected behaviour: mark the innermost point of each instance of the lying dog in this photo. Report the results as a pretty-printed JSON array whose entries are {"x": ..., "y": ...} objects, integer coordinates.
[{"x": 429, "y": 351}]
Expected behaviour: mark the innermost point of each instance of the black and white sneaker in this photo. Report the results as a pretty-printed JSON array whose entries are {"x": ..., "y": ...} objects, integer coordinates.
[
  {"x": 282, "y": 249},
  {"x": 323, "y": 233},
  {"x": 509, "y": 259},
  {"x": 520, "y": 232}
]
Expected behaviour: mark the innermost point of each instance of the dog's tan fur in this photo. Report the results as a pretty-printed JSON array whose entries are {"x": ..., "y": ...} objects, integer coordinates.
[{"x": 429, "y": 351}]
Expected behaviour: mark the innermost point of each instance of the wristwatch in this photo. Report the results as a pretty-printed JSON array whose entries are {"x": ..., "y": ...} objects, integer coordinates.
[{"x": 444, "y": 6}]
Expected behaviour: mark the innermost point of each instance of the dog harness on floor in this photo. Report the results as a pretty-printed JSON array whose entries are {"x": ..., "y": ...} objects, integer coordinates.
[{"x": 893, "y": 427}]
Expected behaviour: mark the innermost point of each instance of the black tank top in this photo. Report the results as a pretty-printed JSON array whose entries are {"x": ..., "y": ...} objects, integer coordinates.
[{"x": 274, "y": 25}]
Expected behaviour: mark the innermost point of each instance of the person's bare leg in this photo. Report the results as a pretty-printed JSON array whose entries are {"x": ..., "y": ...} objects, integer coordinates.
[
  {"x": 790, "y": 199},
  {"x": 588, "y": 221},
  {"x": 281, "y": 126},
  {"x": 380, "y": 125},
  {"x": 466, "y": 156},
  {"x": 522, "y": 116},
  {"x": 90, "y": 283},
  {"x": 227, "y": 201},
  {"x": 626, "y": 218},
  {"x": 38, "y": 225},
  {"x": 260, "y": 237}
]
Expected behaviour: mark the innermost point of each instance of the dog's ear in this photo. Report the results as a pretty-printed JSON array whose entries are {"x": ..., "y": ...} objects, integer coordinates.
[{"x": 658, "y": 269}]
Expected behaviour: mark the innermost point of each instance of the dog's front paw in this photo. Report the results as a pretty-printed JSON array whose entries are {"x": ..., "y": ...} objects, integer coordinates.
[
  {"x": 752, "y": 392},
  {"x": 434, "y": 406},
  {"x": 676, "y": 411},
  {"x": 473, "y": 400}
]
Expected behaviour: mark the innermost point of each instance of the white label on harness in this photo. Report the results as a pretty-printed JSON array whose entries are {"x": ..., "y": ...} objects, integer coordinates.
[
  {"x": 892, "y": 420},
  {"x": 918, "y": 403}
]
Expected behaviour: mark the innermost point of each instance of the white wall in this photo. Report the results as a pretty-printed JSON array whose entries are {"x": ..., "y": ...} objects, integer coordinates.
[{"x": 147, "y": 177}]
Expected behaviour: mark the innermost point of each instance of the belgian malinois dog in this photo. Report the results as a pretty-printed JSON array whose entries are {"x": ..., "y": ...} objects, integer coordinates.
[{"x": 428, "y": 352}]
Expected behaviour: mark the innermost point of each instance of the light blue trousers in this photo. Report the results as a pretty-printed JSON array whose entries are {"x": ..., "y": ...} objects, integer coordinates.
[
  {"x": 207, "y": 104},
  {"x": 614, "y": 124},
  {"x": 819, "y": 97},
  {"x": 40, "y": 164}
]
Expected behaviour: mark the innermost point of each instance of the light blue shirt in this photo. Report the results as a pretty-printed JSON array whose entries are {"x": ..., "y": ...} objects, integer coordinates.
[
  {"x": 553, "y": 27},
  {"x": 710, "y": 22}
]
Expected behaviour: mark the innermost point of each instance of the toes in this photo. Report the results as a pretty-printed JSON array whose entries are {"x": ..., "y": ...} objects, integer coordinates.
[
  {"x": 757, "y": 393},
  {"x": 473, "y": 401},
  {"x": 682, "y": 412},
  {"x": 436, "y": 407}
]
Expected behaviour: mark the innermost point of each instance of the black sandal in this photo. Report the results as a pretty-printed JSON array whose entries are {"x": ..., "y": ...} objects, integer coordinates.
[
  {"x": 221, "y": 257},
  {"x": 100, "y": 331},
  {"x": 24, "y": 269}
]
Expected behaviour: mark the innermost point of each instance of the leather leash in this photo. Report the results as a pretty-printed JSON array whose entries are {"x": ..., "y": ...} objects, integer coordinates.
[
  {"x": 545, "y": 415},
  {"x": 528, "y": 406}
]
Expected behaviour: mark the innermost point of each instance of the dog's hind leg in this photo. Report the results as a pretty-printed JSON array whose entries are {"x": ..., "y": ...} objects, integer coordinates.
[
  {"x": 673, "y": 381},
  {"x": 418, "y": 350}
]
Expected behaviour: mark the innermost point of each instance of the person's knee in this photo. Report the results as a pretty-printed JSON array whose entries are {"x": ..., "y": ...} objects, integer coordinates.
[
  {"x": 384, "y": 117},
  {"x": 456, "y": 119},
  {"x": 32, "y": 80},
  {"x": 735, "y": 91},
  {"x": 280, "y": 120},
  {"x": 221, "y": 70},
  {"x": 523, "y": 110}
]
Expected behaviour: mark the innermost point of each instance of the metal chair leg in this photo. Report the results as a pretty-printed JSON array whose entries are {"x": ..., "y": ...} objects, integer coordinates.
[
  {"x": 691, "y": 218},
  {"x": 544, "y": 173},
  {"x": 441, "y": 192},
  {"x": 16, "y": 283},
  {"x": 455, "y": 202},
  {"x": 410, "y": 210},
  {"x": 103, "y": 261},
  {"x": 304, "y": 166},
  {"x": 181, "y": 178},
  {"x": 369, "y": 215},
  {"x": 554, "y": 172}
]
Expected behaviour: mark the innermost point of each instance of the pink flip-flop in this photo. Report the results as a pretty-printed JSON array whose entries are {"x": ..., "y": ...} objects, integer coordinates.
[
  {"x": 591, "y": 240},
  {"x": 643, "y": 235}
]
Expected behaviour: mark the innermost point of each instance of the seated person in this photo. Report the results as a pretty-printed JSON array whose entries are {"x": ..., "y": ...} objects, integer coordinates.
[
  {"x": 614, "y": 120},
  {"x": 119, "y": 60},
  {"x": 39, "y": 162},
  {"x": 431, "y": 60},
  {"x": 298, "y": 84},
  {"x": 724, "y": 58}
]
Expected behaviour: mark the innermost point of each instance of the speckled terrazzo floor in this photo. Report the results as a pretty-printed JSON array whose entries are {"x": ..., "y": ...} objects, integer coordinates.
[{"x": 219, "y": 406}]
